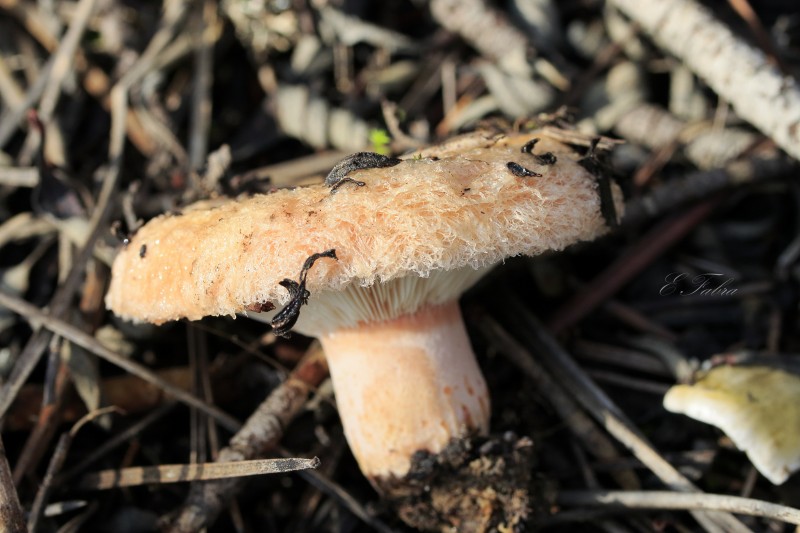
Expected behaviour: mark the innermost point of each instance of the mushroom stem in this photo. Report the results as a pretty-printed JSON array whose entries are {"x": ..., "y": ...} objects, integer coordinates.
[{"x": 404, "y": 385}]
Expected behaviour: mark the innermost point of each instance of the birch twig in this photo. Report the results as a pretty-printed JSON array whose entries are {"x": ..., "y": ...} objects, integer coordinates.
[{"x": 739, "y": 73}]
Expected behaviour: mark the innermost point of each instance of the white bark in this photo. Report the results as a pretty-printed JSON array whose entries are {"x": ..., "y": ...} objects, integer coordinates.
[{"x": 738, "y": 72}]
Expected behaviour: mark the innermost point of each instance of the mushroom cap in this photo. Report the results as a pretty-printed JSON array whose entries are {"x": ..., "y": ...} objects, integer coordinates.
[
  {"x": 444, "y": 208},
  {"x": 757, "y": 407}
]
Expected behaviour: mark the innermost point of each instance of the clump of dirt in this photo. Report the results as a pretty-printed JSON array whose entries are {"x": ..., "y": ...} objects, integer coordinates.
[{"x": 475, "y": 485}]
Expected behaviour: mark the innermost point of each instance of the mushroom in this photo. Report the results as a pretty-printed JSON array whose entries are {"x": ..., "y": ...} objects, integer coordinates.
[
  {"x": 756, "y": 406},
  {"x": 409, "y": 242}
]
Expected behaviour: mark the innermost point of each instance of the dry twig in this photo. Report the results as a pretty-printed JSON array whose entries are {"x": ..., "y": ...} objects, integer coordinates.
[
  {"x": 143, "y": 475},
  {"x": 86, "y": 341},
  {"x": 56, "y": 462},
  {"x": 258, "y": 435},
  {"x": 11, "y": 517},
  {"x": 682, "y": 501},
  {"x": 698, "y": 185},
  {"x": 739, "y": 73}
]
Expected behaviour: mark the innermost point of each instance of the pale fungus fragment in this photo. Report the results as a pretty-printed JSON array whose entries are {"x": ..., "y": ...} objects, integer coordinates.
[{"x": 756, "y": 406}]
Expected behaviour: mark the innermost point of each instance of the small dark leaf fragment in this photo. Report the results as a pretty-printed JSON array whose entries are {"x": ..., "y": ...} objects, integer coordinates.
[
  {"x": 287, "y": 317},
  {"x": 591, "y": 163},
  {"x": 527, "y": 148},
  {"x": 546, "y": 158},
  {"x": 358, "y": 161},
  {"x": 520, "y": 171}
]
